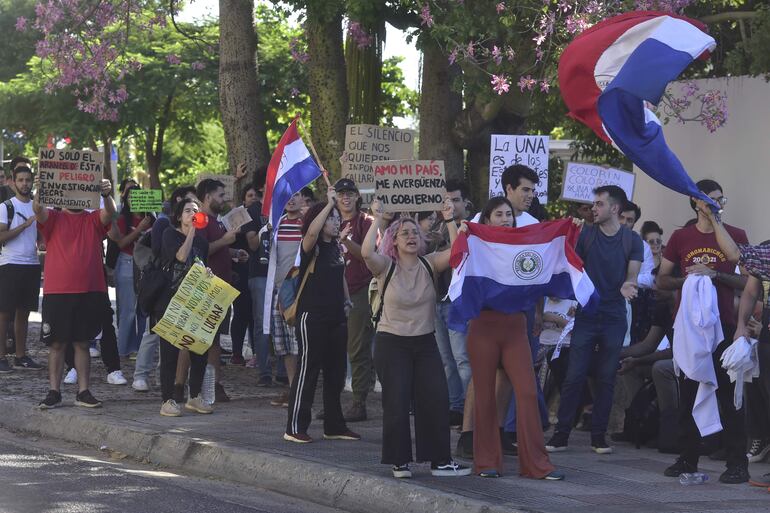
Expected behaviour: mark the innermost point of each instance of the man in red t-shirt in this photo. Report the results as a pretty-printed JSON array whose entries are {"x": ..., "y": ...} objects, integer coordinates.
[
  {"x": 211, "y": 194},
  {"x": 695, "y": 250},
  {"x": 73, "y": 289},
  {"x": 355, "y": 225}
]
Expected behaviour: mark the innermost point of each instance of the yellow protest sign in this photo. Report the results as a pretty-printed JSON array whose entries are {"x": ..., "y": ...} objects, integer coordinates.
[{"x": 196, "y": 310}]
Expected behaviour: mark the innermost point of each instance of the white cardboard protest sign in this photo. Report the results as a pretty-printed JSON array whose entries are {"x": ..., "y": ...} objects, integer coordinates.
[
  {"x": 367, "y": 144},
  {"x": 236, "y": 218},
  {"x": 70, "y": 178},
  {"x": 580, "y": 179},
  {"x": 529, "y": 150},
  {"x": 410, "y": 185}
]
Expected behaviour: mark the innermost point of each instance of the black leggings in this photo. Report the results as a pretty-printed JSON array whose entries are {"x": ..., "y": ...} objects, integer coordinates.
[
  {"x": 322, "y": 346},
  {"x": 169, "y": 354}
]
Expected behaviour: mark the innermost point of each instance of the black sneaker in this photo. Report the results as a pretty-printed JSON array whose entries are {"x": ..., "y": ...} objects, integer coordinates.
[
  {"x": 557, "y": 443},
  {"x": 402, "y": 471},
  {"x": 449, "y": 469},
  {"x": 679, "y": 468},
  {"x": 265, "y": 381},
  {"x": 758, "y": 450},
  {"x": 52, "y": 400},
  {"x": 26, "y": 363},
  {"x": 599, "y": 445},
  {"x": 87, "y": 400},
  {"x": 4, "y": 367},
  {"x": 735, "y": 475}
]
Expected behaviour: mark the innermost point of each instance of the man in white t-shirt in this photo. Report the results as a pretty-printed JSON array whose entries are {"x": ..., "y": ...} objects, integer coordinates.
[{"x": 19, "y": 269}]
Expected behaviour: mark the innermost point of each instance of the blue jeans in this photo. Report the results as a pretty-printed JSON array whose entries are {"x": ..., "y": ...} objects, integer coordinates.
[
  {"x": 130, "y": 323},
  {"x": 454, "y": 355},
  {"x": 146, "y": 358},
  {"x": 261, "y": 343},
  {"x": 534, "y": 345},
  {"x": 607, "y": 330}
]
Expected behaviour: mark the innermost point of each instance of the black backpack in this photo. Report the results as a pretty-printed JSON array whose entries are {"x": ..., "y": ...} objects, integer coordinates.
[{"x": 642, "y": 416}]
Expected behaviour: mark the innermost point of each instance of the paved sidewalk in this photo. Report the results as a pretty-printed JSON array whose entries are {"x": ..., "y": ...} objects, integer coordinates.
[{"x": 242, "y": 441}]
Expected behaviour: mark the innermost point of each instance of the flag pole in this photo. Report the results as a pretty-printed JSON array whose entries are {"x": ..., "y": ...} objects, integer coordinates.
[{"x": 324, "y": 172}]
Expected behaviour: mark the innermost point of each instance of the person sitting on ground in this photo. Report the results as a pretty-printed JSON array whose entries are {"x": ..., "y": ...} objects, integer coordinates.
[{"x": 405, "y": 353}]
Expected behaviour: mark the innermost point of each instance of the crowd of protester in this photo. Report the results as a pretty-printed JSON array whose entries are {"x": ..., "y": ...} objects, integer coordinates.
[{"x": 373, "y": 310}]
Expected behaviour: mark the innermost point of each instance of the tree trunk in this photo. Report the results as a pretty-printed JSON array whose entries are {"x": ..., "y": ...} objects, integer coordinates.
[
  {"x": 152, "y": 158},
  {"x": 327, "y": 84},
  {"x": 364, "y": 75},
  {"x": 439, "y": 106},
  {"x": 239, "y": 91}
]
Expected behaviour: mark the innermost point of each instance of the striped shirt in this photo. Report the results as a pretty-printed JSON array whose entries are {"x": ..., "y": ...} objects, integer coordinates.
[{"x": 290, "y": 230}]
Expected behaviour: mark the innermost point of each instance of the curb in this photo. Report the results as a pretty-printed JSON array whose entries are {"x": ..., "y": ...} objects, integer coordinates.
[{"x": 302, "y": 479}]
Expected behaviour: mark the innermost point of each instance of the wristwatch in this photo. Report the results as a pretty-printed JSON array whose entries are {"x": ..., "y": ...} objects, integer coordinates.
[{"x": 349, "y": 303}]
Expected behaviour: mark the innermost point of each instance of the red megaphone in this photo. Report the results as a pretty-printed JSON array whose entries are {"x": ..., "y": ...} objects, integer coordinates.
[{"x": 200, "y": 220}]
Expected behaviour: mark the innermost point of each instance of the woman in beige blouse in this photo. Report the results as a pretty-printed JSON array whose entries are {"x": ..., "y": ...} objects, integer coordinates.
[{"x": 406, "y": 356}]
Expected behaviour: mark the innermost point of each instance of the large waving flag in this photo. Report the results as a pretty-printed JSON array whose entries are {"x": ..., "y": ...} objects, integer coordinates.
[
  {"x": 291, "y": 168},
  {"x": 510, "y": 269},
  {"x": 610, "y": 70}
]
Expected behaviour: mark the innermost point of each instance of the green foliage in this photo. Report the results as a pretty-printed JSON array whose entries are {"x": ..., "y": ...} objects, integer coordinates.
[{"x": 17, "y": 46}]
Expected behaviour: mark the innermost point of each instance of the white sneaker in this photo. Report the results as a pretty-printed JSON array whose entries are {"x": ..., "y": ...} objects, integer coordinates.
[
  {"x": 94, "y": 351},
  {"x": 140, "y": 385},
  {"x": 116, "y": 378},
  {"x": 377, "y": 387},
  {"x": 348, "y": 385},
  {"x": 170, "y": 409},
  {"x": 71, "y": 377}
]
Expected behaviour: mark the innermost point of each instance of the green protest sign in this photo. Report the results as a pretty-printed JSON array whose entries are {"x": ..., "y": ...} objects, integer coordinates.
[{"x": 146, "y": 200}]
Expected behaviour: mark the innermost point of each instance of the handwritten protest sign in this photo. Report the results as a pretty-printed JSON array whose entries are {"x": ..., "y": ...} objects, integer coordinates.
[
  {"x": 228, "y": 180},
  {"x": 236, "y": 218},
  {"x": 529, "y": 150},
  {"x": 580, "y": 179},
  {"x": 146, "y": 200},
  {"x": 196, "y": 310},
  {"x": 410, "y": 185},
  {"x": 367, "y": 144},
  {"x": 70, "y": 178}
]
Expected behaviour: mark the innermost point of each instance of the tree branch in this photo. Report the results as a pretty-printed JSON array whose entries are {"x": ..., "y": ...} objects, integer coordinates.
[{"x": 729, "y": 16}]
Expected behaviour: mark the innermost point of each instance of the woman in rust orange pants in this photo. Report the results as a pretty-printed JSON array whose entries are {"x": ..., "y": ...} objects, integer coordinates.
[{"x": 497, "y": 340}]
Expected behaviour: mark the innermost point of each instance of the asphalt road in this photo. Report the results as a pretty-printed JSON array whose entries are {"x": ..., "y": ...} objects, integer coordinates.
[{"x": 39, "y": 476}]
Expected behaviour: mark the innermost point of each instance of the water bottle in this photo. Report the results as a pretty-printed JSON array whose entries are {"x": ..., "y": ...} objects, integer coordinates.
[
  {"x": 695, "y": 478},
  {"x": 209, "y": 381},
  {"x": 264, "y": 253}
]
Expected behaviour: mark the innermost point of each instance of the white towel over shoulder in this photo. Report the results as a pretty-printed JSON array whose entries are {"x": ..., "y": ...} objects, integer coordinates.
[{"x": 697, "y": 333}]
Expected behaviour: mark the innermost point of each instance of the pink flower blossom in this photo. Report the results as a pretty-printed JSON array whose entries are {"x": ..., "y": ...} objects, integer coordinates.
[
  {"x": 500, "y": 8},
  {"x": 453, "y": 56},
  {"x": 197, "y": 65},
  {"x": 510, "y": 54},
  {"x": 545, "y": 86},
  {"x": 173, "y": 59},
  {"x": 294, "y": 92},
  {"x": 526, "y": 83},
  {"x": 359, "y": 35},
  {"x": 470, "y": 50},
  {"x": 426, "y": 16},
  {"x": 497, "y": 55},
  {"x": 21, "y": 23},
  {"x": 500, "y": 84}
]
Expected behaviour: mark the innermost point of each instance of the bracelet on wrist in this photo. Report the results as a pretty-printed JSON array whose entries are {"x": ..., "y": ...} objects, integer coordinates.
[{"x": 447, "y": 221}]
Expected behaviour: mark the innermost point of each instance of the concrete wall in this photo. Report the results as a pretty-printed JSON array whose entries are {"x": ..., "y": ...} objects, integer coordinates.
[{"x": 737, "y": 156}]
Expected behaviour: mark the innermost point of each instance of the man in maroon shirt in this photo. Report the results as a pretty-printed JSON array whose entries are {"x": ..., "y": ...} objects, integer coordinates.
[
  {"x": 353, "y": 229},
  {"x": 211, "y": 194},
  {"x": 695, "y": 250}
]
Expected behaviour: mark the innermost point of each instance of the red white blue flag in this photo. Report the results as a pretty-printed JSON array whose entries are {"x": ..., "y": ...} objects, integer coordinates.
[
  {"x": 509, "y": 269},
  {"x": 610, "y": 70},
  {"x": 291, "y": 168}
]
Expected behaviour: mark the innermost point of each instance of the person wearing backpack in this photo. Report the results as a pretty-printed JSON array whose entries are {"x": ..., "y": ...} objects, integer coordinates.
[
  {"x": 406, "y": 355},
  {"x": 19, "y": 269},
  {"x": 322, "y": 306},
  {"x": 612, "y": 256}
]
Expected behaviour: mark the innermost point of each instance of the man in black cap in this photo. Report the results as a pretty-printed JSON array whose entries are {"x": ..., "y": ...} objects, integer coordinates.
[{"x": 355, "y": 224}]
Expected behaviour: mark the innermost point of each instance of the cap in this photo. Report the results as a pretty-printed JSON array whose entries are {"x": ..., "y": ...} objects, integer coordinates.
[{"x": 345, "y": 184}]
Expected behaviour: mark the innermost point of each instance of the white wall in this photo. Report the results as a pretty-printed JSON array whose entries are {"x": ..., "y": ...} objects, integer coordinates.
[{"x": 736, "y": 155}]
